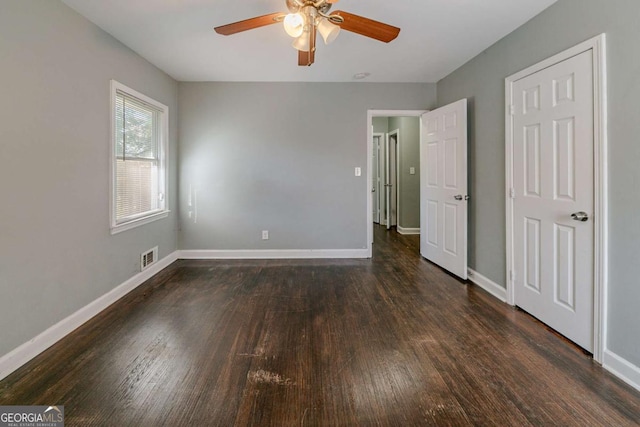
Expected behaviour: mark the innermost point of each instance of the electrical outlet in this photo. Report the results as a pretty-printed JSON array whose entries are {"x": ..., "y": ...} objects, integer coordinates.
[
  {"x": 412, "y": 171},
  {"x": 265, "y": 234}
]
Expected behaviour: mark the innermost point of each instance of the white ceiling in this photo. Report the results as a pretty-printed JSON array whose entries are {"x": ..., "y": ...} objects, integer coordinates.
[{"x": 437, "y": 37}]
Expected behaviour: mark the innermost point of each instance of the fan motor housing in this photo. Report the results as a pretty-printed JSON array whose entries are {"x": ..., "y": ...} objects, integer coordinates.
[{"x": 295, "y": 6}]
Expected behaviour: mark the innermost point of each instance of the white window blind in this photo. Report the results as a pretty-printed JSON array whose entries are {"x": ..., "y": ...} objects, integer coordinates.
[{"x": 138, "y": 157}]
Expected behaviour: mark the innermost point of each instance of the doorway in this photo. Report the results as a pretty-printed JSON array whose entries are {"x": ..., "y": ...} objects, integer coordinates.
[
  {"x": 407, "y": 170},
  {"x": 438, "y": 170}
]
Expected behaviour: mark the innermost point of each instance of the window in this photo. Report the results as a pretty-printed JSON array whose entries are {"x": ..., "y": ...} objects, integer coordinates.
[{"x": 139, "y": 158}]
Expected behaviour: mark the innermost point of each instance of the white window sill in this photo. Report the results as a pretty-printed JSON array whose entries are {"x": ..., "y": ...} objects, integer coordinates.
[{"x": 115, "y": 229}]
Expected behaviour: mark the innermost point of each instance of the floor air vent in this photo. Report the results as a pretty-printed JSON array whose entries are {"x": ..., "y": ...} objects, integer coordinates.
[{"x": 147, "y": 258}]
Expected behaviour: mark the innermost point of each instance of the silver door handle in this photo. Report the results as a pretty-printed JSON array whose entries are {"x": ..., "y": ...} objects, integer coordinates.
[
  {"x": 580, "y": 216},
  {"x": 373, "y": 190},
  {"x": 461, "y": 197}
]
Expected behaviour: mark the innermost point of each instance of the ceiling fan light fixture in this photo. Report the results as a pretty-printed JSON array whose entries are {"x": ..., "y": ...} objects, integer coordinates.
[
  {"x": 306, "y": 18},
  {"x": 294, "y": 24},
  {"x": 302, "y": 43},
  {"x": 328, "y": 30}
]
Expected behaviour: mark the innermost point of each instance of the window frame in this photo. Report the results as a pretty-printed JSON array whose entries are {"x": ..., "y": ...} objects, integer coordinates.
[{"x": 162, "y": 127}]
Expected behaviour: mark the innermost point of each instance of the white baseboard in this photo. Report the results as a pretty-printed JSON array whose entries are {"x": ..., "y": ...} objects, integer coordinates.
[
  {"x": 273, "y": 254},
  {"x": 622, "y": 368},
  {"x": 27, "y": 351},
  {"x": 403, "y": 230},
  {"x": 488, "y": 285}
]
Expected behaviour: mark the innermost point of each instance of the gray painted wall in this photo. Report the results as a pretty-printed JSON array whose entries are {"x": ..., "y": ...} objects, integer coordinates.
[
  {"x": 380, "y": 124},
  {"x": 560, "y": 27},
  {"x": 280, "y": 157},
  {"x": 409, "y": 128},
  {"x": 56, "y": 253}
]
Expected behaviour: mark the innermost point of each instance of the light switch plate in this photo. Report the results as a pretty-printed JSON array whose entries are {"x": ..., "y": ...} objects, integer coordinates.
[
  {"x": 358, "y": 171},
  {"x": 412, "y": 171}
]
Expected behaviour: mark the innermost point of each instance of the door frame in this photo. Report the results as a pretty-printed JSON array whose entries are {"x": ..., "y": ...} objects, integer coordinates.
[
  {"x": 370, "y": 115},
  {"x": 381, "y": 136},
  {"x": 598, "y": 46},
  {"x": 396, "y": 133}
]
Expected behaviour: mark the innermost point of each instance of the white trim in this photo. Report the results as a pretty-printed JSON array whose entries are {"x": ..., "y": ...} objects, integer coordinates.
[
  {"x": 27, "y": 351},
  {"x": 381, "y": 136},
  {"x": 163, "y": 160},
  {"x": 370, "y": 115},
  {"x": 601, "y": 200},
  {"x": 598, "y": 46},
  {"x": 621, "y": 368},
  {"x": 488, "y": 285},
  {"x": 273, "y": 254},
  {"x": 403, "y": 230},
  {"x": 140, "y": 221}
]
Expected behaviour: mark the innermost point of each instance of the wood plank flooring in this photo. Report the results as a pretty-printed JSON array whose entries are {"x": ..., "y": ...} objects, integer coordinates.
[{"x": 392, "y": 341}]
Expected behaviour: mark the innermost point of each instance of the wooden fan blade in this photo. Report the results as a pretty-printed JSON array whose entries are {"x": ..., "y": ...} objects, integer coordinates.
[
  {"x": 368, "y": 27},
  {"x": 305, "y": 59},
  {"x": 249, "y": 24}
]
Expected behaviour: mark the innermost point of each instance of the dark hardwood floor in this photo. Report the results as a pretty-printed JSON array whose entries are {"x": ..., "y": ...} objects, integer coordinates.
[{"x": 392, "y": 341}]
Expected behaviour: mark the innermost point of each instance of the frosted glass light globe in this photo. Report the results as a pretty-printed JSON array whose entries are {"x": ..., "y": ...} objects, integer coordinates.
[{"x": 294, "y": 24}]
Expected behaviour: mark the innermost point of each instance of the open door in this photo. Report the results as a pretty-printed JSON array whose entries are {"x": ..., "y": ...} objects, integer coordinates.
[
  {"x": 387, "y": 182},
  {"x": 391, "y": 179},
  {"x": 376, "y": 182},
  {"x": 443, "y": 187}
]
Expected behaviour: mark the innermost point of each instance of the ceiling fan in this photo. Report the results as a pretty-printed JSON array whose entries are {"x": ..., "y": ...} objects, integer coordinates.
[{"x": 306, "y": 18}]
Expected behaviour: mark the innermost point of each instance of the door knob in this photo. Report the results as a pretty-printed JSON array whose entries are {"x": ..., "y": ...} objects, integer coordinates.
[
  {"x": 461, "y": 197},
  {"x": 580, "y": 216}
]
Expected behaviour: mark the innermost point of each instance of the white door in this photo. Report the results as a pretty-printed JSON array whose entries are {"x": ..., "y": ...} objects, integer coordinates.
[
  {"x": 381, "y": 191},
  {"x": 375, "y": 177},
  {"x": 392, "y": 177},
  {"x": 553, "y": 180},
  {"x": 387, "y": 182},
  {"x": 443, "y": 187}
]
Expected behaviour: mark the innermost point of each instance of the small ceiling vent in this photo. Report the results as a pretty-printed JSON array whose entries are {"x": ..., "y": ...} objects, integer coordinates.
[{"x": 147, "y": 258}]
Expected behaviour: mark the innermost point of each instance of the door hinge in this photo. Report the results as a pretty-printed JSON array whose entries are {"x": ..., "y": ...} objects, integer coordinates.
[
  {"x": 512, "y": 110},
  {"x": 512, "y": 193}
]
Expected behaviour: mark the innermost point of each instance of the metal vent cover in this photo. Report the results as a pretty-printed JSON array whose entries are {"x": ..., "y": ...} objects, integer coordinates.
[{"x": 147, "y": 258}]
